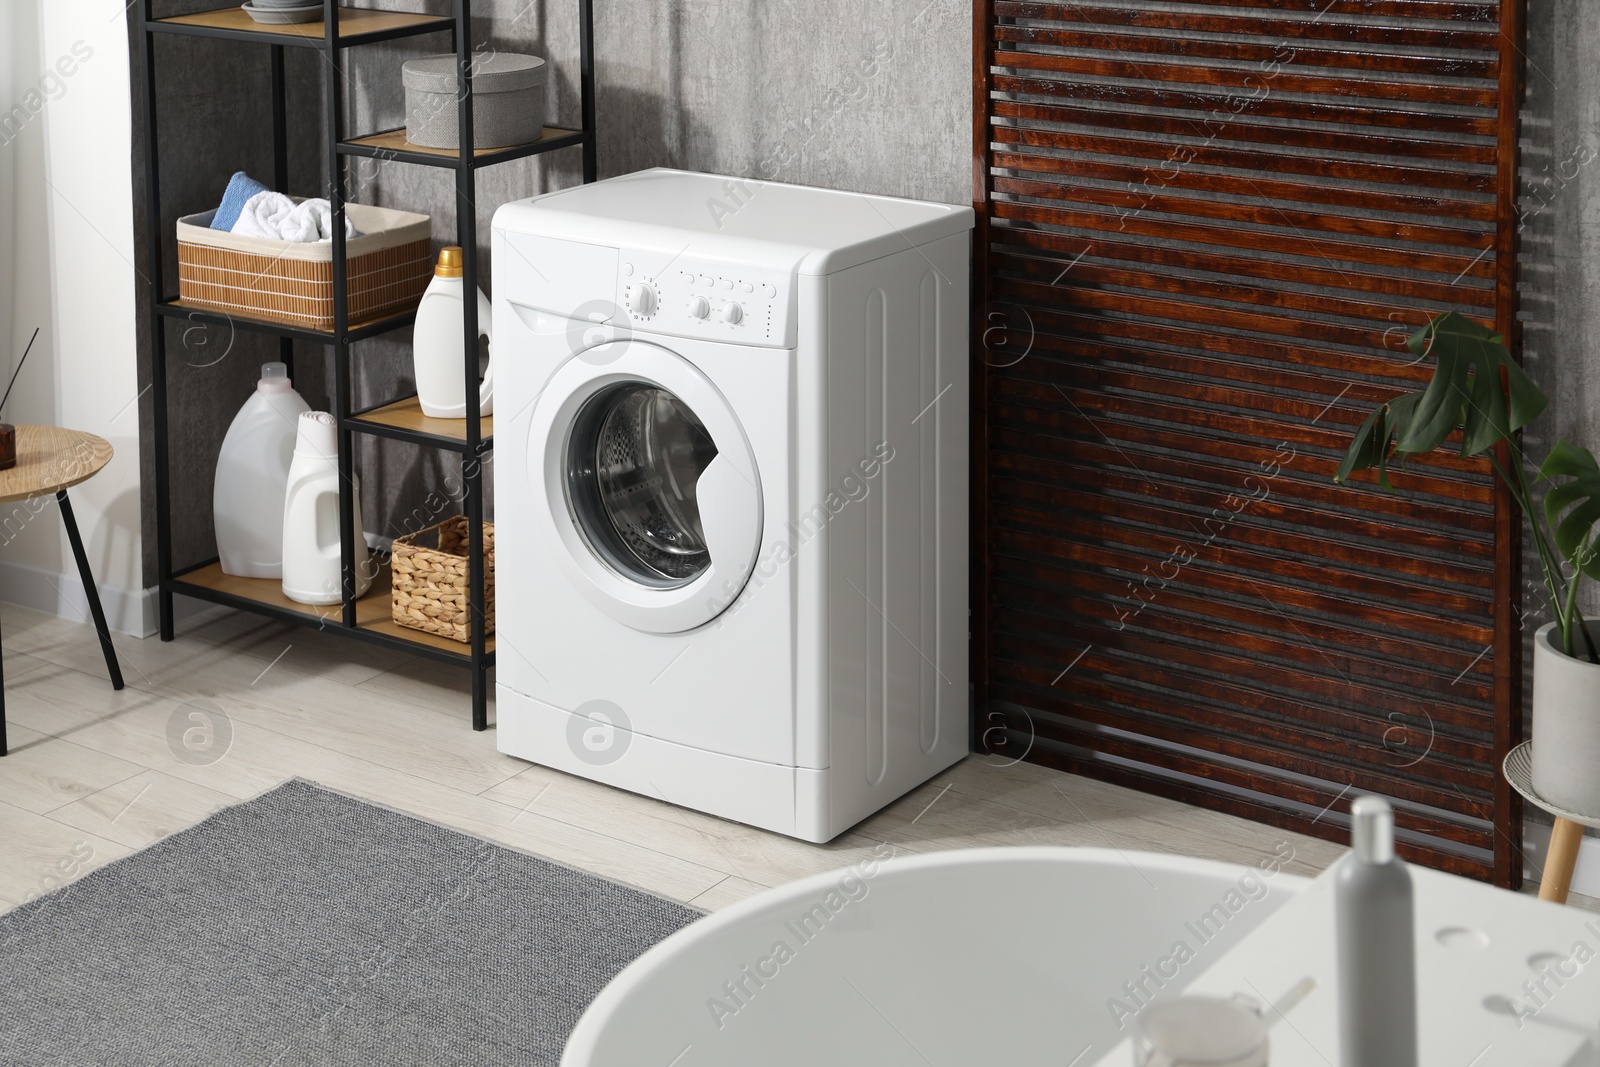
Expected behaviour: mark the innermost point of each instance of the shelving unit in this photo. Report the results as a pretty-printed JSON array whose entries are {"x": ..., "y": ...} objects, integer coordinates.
[{"x": 401, "y": 419}]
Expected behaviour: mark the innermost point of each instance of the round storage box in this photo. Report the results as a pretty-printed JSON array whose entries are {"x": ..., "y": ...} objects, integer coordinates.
[{"x": 507, "y": 100}]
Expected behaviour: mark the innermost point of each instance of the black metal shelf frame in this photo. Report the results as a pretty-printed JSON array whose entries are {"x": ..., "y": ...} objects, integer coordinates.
[
  {"x": 342, "y": 336},
  {"x": 171, "y": 308}
]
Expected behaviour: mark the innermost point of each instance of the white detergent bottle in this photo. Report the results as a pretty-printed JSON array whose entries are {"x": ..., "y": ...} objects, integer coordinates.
[
  {"x": 252, "y": 471},
  {"x": 436, "y": 344},
  {"x": 311, "y": 571}
]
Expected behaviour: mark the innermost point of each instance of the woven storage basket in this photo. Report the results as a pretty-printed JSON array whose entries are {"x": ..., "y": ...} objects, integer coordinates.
[
  {"x": 388, "y": 267},
  {"x": 430, "y": 583}
]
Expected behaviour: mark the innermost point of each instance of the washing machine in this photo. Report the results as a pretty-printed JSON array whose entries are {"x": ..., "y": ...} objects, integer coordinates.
[{"x": 731, "y": 493}]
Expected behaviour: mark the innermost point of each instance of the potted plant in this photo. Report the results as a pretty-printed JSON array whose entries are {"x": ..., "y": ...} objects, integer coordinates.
[{"x": 1478, "y": 390}]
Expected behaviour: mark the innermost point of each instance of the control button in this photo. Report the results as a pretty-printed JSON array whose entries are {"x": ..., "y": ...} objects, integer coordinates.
[
  {"x": 688, "y": 279},
  {"x": 627, "y": 270},
  {"x": 641, "y": 300},
  {"x": 746, "y": 287},
  {"x": 727, "y": 283},
  {"x": 769, "y": 290},
  {"x": 707, "y": 281},
  {"x": 733, "y": 314},
  {"x": 699, "y": 307}
]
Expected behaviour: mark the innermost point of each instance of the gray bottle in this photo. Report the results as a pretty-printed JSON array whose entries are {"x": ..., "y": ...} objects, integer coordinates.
[{"x": 1377, "y": 950}]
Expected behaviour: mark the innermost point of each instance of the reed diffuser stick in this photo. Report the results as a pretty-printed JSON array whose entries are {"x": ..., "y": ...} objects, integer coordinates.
[
  {"x": 18, "y": 371},
  {"x": 8, "y": 432}
]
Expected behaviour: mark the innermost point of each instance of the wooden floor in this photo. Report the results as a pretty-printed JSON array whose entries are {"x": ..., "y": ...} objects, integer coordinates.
[{"x": 94, "y": 774}]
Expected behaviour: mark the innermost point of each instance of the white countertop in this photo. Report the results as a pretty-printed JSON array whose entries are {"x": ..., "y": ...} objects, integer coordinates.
[{"x": 1503, "y": 980}]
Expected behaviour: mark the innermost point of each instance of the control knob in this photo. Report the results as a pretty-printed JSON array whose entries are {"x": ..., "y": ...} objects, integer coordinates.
[
  {"x": 641, "y": 299},
  {"x": 733, "y": 314},
  {"x": 699, "y": 307}
]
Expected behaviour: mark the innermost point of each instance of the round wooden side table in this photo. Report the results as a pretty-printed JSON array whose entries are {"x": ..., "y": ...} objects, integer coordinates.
[
  {"x": 1565, "y": 837},
  {"x": 50, "y": 460}
]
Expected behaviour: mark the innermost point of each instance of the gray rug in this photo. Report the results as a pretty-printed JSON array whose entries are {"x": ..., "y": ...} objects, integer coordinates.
[{"x": 304, "y": 927}]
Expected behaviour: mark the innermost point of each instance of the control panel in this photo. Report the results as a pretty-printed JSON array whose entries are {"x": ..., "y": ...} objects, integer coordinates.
[{"x": 687, "y": 297}]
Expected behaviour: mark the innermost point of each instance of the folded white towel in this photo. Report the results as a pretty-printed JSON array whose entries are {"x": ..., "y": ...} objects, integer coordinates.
[{"x": 276, "y": 216}]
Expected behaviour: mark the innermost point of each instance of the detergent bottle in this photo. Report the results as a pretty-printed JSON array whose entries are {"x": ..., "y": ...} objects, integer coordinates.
[
  {"x": 252, "y": 472},
  {"x": 436, "y": 343},
  {"x": 311, "y": 570},
  {"x": 1374, "y": 929}
]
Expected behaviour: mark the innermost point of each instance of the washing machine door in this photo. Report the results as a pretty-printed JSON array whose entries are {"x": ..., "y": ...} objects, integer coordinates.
[{"x": 650, "y": 484}]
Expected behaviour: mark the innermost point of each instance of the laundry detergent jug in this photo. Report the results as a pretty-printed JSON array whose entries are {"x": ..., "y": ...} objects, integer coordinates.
[
  {"x": 311, "y": 571},
  {"x": 436, "y": 344},
  {"x": 252, "y": 472}
]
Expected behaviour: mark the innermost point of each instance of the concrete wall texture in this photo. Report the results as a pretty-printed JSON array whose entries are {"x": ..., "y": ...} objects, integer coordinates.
[{"x": 1559, "y": 209}]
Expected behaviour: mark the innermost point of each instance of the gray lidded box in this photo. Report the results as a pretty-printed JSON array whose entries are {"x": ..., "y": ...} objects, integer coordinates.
[{"x": 507, "y": 100}]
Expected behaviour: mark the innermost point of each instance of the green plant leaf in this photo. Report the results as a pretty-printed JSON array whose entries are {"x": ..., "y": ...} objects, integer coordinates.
[
  {"x": 1366, "y": 448},
  {"x": 1371, "y": 446},
  {"x": 1440, "y": 407},
  {"x": 1476, "y": 387},
  {"x": 1492, "y": 422},
  {"x": 1466, "y": 389},
  {"x": 1572, "y": 505}
]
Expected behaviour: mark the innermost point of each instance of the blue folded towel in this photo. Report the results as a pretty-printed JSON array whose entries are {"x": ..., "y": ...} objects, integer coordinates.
[{"x": 241, "y": 187}]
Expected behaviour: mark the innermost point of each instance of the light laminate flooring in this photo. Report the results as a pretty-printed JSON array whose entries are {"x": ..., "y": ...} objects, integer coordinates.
[{"x": 238, "y": 704}]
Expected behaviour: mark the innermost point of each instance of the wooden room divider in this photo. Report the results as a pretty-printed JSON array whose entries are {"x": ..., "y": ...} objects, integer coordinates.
[{"x": 1204, "y": 231}]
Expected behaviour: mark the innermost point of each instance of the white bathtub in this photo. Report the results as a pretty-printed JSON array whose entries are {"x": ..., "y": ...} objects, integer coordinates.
[{"x": 1011, "y": 957}]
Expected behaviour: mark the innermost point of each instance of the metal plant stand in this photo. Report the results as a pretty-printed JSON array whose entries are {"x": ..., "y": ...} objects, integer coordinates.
[{"x": 472, "y": 438}]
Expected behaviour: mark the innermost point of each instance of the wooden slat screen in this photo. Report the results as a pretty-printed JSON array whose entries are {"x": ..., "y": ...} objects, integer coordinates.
[{"x": 1205, "y": 228}]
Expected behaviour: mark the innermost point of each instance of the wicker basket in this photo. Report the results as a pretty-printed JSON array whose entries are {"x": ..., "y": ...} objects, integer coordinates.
[
  {"x": 388, "y": 267},
  {"x": 430, "y": 583}
]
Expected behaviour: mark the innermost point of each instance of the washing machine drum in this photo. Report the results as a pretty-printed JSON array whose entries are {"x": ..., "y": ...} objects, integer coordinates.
[
  {"x": 633, "y": 470},
  {"x": 650, "y": 484}
]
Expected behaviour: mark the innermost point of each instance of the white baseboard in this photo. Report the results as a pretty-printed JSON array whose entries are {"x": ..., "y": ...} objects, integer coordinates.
[
  {"x": 128, "y": 611},
  {"x": 1585, "y": 878},
  {"x": 135, "y": 612}
]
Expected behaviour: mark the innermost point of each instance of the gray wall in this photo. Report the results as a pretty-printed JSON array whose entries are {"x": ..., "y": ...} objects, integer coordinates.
[
  {"x": 866, "y": 95},
  {"x": 1560, "y": 220},
  {"x": 1560, "y": 261}
]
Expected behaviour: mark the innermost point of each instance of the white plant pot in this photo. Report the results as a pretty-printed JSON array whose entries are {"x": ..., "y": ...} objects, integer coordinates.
[{"x": 1566, "y": 724}]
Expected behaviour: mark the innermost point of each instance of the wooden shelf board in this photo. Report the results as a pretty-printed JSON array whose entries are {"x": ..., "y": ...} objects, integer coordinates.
[
  {"x": 372, "y": 611},
  {"x": 395, "y": 141},
  {"x": 407, "y": 415},
  {"x": 387, "y": 625},
  {"x": 353, "y": 22}
]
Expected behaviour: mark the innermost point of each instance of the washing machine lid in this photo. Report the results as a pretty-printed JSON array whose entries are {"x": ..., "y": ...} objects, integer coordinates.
[
  {"x": 648, "y": 484},
  {"x": 770, "y": 225}
]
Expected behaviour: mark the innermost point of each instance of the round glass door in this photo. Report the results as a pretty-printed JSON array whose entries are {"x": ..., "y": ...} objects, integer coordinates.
[{"x": 633, "y": 463}]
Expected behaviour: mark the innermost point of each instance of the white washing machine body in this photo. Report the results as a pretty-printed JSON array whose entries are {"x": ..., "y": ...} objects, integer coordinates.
[{"x": 731, "y": 493}]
